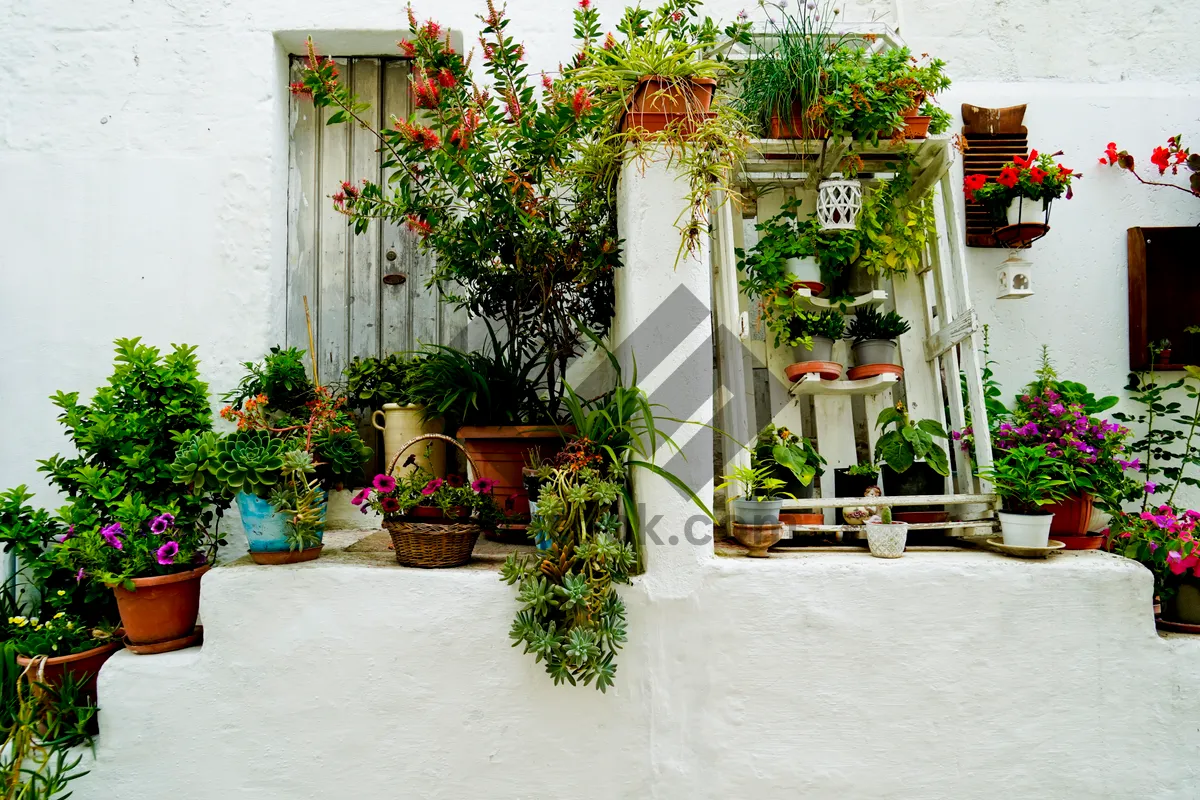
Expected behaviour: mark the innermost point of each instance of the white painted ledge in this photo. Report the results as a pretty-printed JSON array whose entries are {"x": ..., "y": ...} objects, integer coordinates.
[{"x": 940, "y": 674}]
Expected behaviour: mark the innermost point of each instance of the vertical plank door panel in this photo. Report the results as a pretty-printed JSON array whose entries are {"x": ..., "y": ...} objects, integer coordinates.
[
  {"x": 331, "y": 304},
  {"x": 395, "y": 334},
  {"x": 364, "y": 279},
  {"x": 302, "y": 216}
]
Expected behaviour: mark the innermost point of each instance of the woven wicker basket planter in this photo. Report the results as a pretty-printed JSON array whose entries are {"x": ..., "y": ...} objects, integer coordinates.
[{"x": 432, "y": 545}]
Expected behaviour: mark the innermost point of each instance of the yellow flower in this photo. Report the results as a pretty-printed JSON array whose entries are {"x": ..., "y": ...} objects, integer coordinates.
[
  {"x": 60, "y": 615},
  {"x": 70, "y": 626},
  {"x": 62, "y": 593},
  {"x": 19, "y": 621}
]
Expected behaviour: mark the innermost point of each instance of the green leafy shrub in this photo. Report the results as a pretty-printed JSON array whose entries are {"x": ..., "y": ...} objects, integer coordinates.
[
  {"x": 788, "y": 457},
  {"x": 126, "y": 439},
  {"x": 281, "y": 376},
  {"x": 1026, "y": 478},
  {"x": 909, "y": 441},
  {"x": 476, "y": 388},
  {"x": 868, "y": 323},
  {"x": 801, "y": 326},
  {"x": 371, "y": 382}
]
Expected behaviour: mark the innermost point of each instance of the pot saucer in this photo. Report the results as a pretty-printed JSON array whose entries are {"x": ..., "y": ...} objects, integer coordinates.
[
  {"x": 286, "y": 556},
  {"x": 1026, "y": 552},
  {"x": 191, "y": 640},
  {"x": 874, "y": 371},
  {"x": 828, "y": 370},
  {"x": 1171, "y": 626}
]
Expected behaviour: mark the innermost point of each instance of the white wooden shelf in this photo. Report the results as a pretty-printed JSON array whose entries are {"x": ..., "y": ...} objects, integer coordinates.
[
  {"x": 871, "y": 298},
  {"x": 812, "y": 385},
  {"x": 790, "y": 162},
  {"x": 912, "y": 526},
  {"x": 892, "y": 500}
]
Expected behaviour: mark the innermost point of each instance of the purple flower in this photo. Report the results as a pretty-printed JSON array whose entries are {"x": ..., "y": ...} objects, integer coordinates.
[
  {"x": 432, "y": 486},
  {"x": 70, "y": 532},
  {"x": 110, "y": 534},
  {"x": 955, "y": 435},
  {"x": 361, "y": 498},
  {"x": 160, "y": 524},
  {"x": 384, "y": 483},
  {"x": 1153, "y": 546},
  {"x": 483, "y": 485},
  {"x": 166, "y": 554},
  {"x": 80, "y": 575},
  {"x": 1057, "y": 409},
  {"x": 1151, "y": 487}
]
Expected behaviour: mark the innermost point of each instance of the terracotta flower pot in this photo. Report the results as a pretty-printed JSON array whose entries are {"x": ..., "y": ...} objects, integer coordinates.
[
  {"x": 1071, "y": 516},
  {"x": 83, "y": 667},
  {"x": 917, "y": 127},
  {"x": 795, "y": 126},
  {"x": 500, "y": 452},
  {"x": 162, "y": 609},
  {"x": 658, "y": 103},
  {"x": 427, "y": 513},
  {"x": 919, "y": 517},
  {"x": 801, "y": 518}
]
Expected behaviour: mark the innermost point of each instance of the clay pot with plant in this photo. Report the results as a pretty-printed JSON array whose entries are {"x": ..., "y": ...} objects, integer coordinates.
[
  {"x": 759, "y": 496},
  {"x": 912, "y": 463},
  {"x": 874, "y": 348},
  {"x": 811, "y": 335}
]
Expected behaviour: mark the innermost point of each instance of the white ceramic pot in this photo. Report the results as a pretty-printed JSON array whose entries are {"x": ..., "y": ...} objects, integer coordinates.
[
  {"x": 804, "y": 269},
  {"x": 1025, "y": 530},
  {"x": 887, "y": 541},
  {"x": 1024, "y": 210},
  {"x": 402, "y": 424}
]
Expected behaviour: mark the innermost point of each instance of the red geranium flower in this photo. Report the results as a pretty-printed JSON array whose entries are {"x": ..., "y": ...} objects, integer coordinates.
[
  {"x": 1008, "y": 177},
  {"x": 1161, "y": 158}
]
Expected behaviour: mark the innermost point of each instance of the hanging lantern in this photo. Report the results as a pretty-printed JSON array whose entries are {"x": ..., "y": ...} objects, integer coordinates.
[
  {"x": 838, "y": 204},
  {"x": 1013, "y": 277}
]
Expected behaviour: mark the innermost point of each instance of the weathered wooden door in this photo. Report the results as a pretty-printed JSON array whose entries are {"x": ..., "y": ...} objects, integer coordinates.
[{"x": 366, "y": 293}]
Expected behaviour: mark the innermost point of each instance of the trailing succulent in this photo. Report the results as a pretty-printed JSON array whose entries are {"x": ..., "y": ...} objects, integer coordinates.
[{"x": 571, "y": 616}]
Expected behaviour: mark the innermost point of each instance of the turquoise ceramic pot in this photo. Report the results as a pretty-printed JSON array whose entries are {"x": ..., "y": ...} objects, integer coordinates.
[{"x": 266, "y": 528}]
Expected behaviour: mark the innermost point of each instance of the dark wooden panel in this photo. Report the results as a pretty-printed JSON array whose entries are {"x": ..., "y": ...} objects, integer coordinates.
[
  {"x": 1164, "y": 294},
  {"x": 993, "y": 136}
]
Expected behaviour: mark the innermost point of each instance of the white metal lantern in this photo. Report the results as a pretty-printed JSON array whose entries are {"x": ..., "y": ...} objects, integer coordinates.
[
  {"x": 1014, "y": 278},
  {"x": 838, "y": 204}
]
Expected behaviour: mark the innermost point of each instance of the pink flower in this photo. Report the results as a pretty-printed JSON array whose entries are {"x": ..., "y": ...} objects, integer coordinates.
[
  {"x": 1151, "y": 487},
  {"x": 432, "y": 486},
  {"x": 80, "y": 575},
  {"x": 384, "y": 483},
  {"x": 166, "y": 554},
  {"x": 362, "y": 497},
  {"x": 483, "y": 485}
]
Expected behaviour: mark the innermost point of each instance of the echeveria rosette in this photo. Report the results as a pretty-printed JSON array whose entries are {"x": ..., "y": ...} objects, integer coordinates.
[
  {"x": 1092, "y": 450},
  {"x": 1163, "y": 539},
  {"x": 250, "y": 462}
]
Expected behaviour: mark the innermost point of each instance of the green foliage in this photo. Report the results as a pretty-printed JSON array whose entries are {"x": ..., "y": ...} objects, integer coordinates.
[
  {"x": 940, "y": 120},
  {"x": 785, "y": 236},
  {"x": 249, "y": 461},
  {"x": 801, "y": 326},
  {"x": 894, "y": 231},
  {"x": 1169, "y": 444},
  {"x": 57, "y": 635},
  {"x": 791, "y": 71},
  {"x": 371, "y": 382},
  {"x": 787, "y": 457},
  {"x": 868, "y": 323},
  {"x": 571, "y": 616},
  {"x": 487, "y": 173},
  {"x": 1026, "y": 478},
  {"x": 281, "y": 376},
  {"x": 907, "y": 442},
  {"x": 476, "y": 388},
  {"x": 126, "y": 439},
  {"x": 868, "y": 470},
  {"x": 867, "y": 94},
  {"x": 754, "y": 483}
]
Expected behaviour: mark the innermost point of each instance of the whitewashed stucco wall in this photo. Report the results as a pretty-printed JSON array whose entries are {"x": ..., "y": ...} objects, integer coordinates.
[{"x": 143, "y": 157}]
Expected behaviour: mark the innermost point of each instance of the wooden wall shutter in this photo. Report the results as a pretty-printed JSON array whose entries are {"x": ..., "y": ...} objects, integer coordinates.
[{"x": 355, "y": 312}]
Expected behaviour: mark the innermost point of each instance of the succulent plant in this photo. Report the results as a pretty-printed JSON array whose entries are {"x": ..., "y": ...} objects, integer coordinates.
[
  {"x": 250, "y": 461},
  {"x": 195, "y": 464}
]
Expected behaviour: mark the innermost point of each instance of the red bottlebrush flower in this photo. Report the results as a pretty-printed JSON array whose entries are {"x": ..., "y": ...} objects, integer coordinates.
[
  {"x": 520, "y": 52},
  {"x": 412, "y": 18},
  {"x": 489, "y": 51},
  {"x": 609, "y": 41},
  {"x": 418, "y": 225},
  {"x": 581, "y": 103},
  {"x": 339, "y": 199},
  {"x": 547, "y": 82},
  {"x": 431, "y": 29},
  {"x": 300, "y": 90},
  {"x": 350, "y": 189},
  {"x": 585, "y": 4},
  {"x": 1037, "y": 174},
  {"x": 1161, "y": 158},
  {"x": 676, "y": 17},
  {"x": 446, "y": 78},
  {"x": 470, "y": 120},
  {"x": 513, "y": 105},
  {"x": 1009, "y": 177},
  {"x": 410, "y": 49}
]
